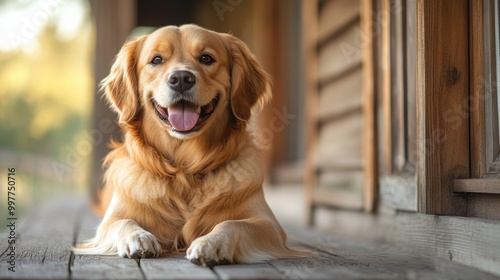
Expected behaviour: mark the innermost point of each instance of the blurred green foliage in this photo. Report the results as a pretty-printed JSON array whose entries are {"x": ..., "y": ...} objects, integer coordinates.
[{"x": 46, "y": 96}]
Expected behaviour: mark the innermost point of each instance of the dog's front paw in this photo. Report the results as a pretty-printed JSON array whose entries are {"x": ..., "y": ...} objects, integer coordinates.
[
  {"x": 140, "y": 244},
  {"x": 209, "y": 251}
]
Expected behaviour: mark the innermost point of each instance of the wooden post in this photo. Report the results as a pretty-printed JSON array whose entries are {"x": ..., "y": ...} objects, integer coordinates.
[
  {"x": 369, "y": 108},
  {"x": 442, "y": 87},
  {"x": 114, "y": 20},
  {"x": 310, "y": 39},
  {"x": 385, "y": 78}
]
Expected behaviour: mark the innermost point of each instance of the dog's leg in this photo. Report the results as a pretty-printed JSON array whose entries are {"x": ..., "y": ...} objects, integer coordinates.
[
  {"x": 240, "y": 241},
  {"x": 132, "y": 241},
  {"x": 123, "y": 237}
]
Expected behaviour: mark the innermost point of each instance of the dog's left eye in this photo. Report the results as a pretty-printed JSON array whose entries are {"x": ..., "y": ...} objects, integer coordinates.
[
  {"x": 156, "y": 60},
  {"x": 206, "y": 59}
]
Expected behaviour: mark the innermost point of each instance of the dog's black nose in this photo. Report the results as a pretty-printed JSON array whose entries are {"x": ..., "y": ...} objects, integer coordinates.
[{"x": 181, "y": 81}]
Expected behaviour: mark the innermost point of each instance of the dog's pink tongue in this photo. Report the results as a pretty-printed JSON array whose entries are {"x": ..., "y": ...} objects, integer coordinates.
[{"x": 183, "y": 116}]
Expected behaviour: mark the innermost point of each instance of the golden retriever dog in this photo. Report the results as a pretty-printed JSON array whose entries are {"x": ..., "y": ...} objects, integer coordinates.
[{"x": 188, "y": 175}]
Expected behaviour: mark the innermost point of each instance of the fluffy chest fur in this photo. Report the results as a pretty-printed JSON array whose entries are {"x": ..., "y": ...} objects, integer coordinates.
[{"x": 181, "y": 206}]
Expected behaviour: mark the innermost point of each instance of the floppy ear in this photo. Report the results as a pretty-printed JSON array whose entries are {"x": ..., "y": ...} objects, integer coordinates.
[
  {"x": 120, "y": 86},
  {"x": 250, "y": 84}
]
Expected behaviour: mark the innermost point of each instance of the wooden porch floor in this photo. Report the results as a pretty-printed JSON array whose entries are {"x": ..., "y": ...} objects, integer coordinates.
[{"x": 43, "y": 239}]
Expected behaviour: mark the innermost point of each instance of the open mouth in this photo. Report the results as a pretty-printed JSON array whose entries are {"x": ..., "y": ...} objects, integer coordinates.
[{"x": 184, "y": 116}]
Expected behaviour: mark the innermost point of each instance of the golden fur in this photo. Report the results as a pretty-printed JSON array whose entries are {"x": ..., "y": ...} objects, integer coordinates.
[{"x": 201, "y": 191}]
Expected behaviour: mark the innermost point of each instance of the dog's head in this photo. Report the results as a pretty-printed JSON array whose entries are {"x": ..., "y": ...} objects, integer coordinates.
[{"x": 186, "y": 80}]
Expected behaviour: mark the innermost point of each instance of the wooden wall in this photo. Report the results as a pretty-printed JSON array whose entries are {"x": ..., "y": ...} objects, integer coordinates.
[
  {"x": 339, "y": 119},
  {"x": 336, "y": 110}
]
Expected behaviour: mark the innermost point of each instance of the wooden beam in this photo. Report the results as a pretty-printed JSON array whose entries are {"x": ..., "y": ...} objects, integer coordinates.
[
  {"x": 411, "y": 84},
  {"x": 491, "y": 186},
  {"x": 442, "y": 87},
  {"x": 369, "y": 108},
  {"x": 385, "y": 77},
  {"x": 114, "y": 20},
  {"x": 476, "y": 88},
  {"x": 310, "y": 39}
]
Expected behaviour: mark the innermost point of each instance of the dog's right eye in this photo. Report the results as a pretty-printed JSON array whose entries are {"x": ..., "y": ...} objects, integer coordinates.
[
  {"x": 206, "y": 59},
  {"x": 156, "y": 60}
]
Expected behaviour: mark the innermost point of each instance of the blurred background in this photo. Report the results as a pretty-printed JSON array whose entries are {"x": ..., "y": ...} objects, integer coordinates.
[{"x": 46, "y": 93}]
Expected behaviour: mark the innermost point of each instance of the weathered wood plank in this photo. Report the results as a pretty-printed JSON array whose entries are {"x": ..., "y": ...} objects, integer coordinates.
[
  {"x": 43, "y": 241},
  {"x": 336, "y": 15},
  {"x": 338, "y": 198},
  {"x": 343, "y": 189},
  {"x": 340, "y": 266},
  {"x": 338, "y": 257},
  {"x": 100, "y": 267},
  {"x": 175, "y": 266},
  {"x": 339, "y": 55},
  {"x": 351, "y": 258},
  {"x": 344, "y": 179},
  {"x": 36, "y": 270},
  {"x": 339, "y": 143},
  {"x": 320, "y": 265},
  {"x": 341, "y": 96},
  {"x": 473, "y": 242},
  {"x": 377, "y": 259},
  {"x": 248, "y": 271},
  {"x": 465, "y": 240},
  {"x": 105, "y": 267}
]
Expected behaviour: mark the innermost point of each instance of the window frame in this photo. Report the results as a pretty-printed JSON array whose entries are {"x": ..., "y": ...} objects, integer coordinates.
[
  {"x": 397, "y": 176},
  {"x": 469, "y": 185}
]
